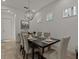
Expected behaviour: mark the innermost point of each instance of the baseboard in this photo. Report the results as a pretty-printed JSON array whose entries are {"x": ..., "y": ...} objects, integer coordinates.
[
  {"x": 71, "y": 53},
  {"x": 7, "y": 40}
]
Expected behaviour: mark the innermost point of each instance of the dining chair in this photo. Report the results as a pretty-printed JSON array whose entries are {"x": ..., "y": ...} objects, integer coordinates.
[
  {"x": 46, "y": 35},
  {"x": 33, "y": 34},
  {"x": 26, "y": 46},
  {"x": 39, "y": 34},
  {"x": 61, "y": 52},
  {"x": 22, "y": 42},
  {"x": 27, "y": 49}
]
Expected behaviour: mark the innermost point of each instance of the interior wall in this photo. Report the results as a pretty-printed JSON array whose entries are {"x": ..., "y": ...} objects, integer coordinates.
[
  {"x": 19, "y": 15},
  {"x": 59, "y": 26}
]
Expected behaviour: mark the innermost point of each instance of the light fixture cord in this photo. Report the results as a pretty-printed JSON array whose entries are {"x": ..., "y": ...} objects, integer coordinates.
[{"x": 29, "y": 6}]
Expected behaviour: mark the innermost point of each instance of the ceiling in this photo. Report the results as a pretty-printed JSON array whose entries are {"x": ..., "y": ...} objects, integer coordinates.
[{"x": 19, "y": 4}]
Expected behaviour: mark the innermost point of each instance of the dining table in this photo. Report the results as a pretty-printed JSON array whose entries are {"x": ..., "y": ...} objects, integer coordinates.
[
  {"x": 76, "y": 50},
  {"x": 41, "y": 43}
]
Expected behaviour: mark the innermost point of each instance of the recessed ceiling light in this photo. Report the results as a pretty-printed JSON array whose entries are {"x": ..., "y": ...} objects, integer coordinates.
[
  {"x": 8, "y": 10},
  {"x": 3, "y": 0},
  {"x": 33, "y": 10}
]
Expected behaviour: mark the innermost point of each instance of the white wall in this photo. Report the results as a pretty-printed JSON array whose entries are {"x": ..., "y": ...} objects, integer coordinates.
[
  {"x": 19, "y": 15},
  {"x": 60, "y": 26}
]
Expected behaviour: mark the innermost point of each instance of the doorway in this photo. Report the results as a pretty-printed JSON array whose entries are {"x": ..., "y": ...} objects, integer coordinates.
[{"x": 7, "y": 26}]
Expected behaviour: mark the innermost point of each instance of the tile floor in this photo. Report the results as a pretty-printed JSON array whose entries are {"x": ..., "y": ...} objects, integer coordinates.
[{"x": 10, "y": 51}]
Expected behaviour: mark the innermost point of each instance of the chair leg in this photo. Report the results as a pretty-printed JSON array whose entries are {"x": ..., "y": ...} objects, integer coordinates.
[
  {"x": 23, "y": 54},
  {"x": 38, "y": 55},
  {"x": 26, "y": 56},
  {"x": 23, "y": 50},
  {"x": 20, "y": 48}
]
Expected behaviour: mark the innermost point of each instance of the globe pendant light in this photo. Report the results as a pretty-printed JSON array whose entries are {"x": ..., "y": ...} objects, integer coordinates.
[{"x": 29, "y": 14}]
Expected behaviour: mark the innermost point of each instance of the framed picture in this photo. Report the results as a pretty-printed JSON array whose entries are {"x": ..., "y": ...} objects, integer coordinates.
[
  {"x": 24, "y": 24},
  {"x": 49, "y": 17},
  {"x": 69, "y": 11},
  {"x": 65, "y": 13}
]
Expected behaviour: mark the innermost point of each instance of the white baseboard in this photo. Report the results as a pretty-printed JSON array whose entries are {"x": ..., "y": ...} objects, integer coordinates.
[
  {"x": 71, "y": 53},
  {"x": 7, "y": 40}
]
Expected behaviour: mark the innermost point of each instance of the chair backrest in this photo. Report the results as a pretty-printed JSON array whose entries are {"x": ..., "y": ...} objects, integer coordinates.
[
  {"x": 39, "y": 34},
  {"x": 26, "y": 45},
  {"x": 63, "y": 48},
  {"x": 21, "y": 37},
  {"x": 33, "y": 34},
  {"x": 46, "y": 35}
]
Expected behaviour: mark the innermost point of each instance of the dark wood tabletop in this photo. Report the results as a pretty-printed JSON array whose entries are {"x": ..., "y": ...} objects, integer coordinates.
[
  {"x": 38, "y": 43},
  {"x": 41, "y": 44}
]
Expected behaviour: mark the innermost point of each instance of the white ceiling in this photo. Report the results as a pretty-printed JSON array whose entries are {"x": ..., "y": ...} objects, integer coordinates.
[{"x": 19, "y": 4}]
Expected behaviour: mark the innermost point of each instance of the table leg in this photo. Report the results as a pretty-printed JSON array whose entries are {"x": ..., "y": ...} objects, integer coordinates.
[
  {"x": 76, "y": 55},
  {"x": 32, "y": 53},
  {"x": 42, "y": 50},
  {"x": 38, "y": 55},
  {"x": 42, "y": 53}
]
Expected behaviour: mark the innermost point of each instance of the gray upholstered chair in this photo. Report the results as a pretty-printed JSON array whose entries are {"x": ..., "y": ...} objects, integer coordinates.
[
  {"x": 46, "y": 35},
  {"x": 39, "y": 34},
  {"x": 27, "y": 49},
  {"x": 60, "y": 52}
]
